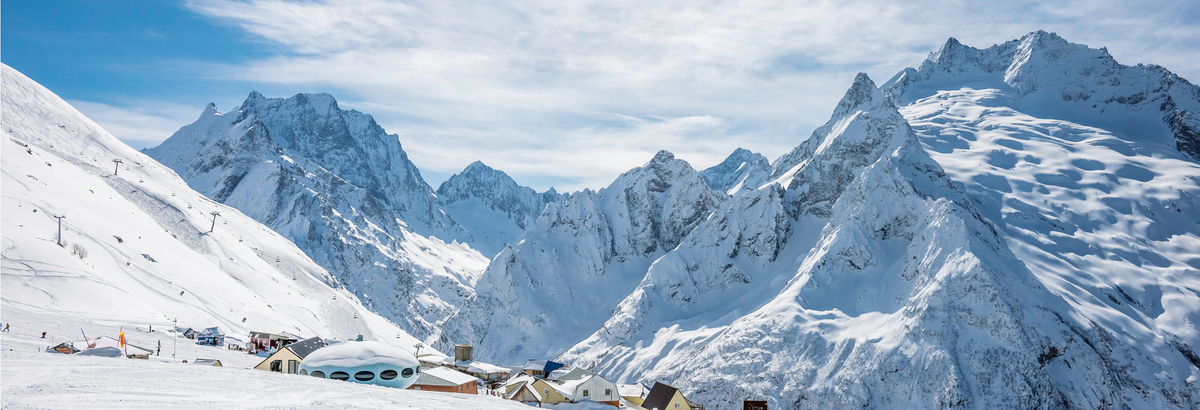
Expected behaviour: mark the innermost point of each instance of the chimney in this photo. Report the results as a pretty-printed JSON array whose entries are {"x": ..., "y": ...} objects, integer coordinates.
[{"x": 462, "y": 353}]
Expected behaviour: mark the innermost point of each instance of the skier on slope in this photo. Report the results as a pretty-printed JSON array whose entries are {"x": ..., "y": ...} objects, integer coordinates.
[{"x": 159, "y": 351}]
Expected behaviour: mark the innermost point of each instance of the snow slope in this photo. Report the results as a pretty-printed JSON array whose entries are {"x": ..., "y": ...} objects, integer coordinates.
[
  {"x": 137, "y": 246},
  {"x": 578, "y": 259},
  {"x": 344, "y": 191},
  {"x": 491, "y": 206},
  {"x": 741, "y": 170}
]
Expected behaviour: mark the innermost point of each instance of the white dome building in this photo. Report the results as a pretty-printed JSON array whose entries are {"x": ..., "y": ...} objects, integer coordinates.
[{"x": 363, "y": 362}]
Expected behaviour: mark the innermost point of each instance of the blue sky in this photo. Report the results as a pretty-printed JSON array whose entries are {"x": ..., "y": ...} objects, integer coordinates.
[{"x": 567, "y": 94}]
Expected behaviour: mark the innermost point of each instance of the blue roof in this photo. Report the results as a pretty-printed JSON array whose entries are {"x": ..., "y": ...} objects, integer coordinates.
[{"x": 545, "y": 366}]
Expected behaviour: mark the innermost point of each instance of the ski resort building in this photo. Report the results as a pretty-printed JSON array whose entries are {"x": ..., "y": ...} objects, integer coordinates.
[
  {"x": 211, "y": 336},
  {"x": 590, "y": 387},
  {"x": 269, "y": 342},
  {"x": 363, "y": 362},
  {"x": 287, "y": 359},
  {"x": 541, "y": 368},
  {"x": 665, "y": 397},
  {"x": 445, "y": 379}
]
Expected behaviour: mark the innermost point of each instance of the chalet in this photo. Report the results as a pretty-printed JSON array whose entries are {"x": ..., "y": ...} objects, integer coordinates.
[
  {"x": 664, "y": 397},
  {"x": 287, "y": 359},
  {"x": 445, "y": 379},
  {"x": 634, "y": 394},
  {"x": 576, "y": 386},
  {"x": 541, "y": 368},
  {"x": 269, "y": 342},
  {"x": 211, "y": 336}
]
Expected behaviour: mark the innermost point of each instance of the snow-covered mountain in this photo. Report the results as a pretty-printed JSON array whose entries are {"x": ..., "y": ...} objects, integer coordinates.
[
  {"x": 579, "y": 258},
  {"x": 741, "y": 170},
  {"x": 1044, "y": 73},
  {"x": 970, "y": 235},
  {"x": 491, "y": 206},
  {"x": 139, "y": 246},
  {"x": 343, "y": 190}
]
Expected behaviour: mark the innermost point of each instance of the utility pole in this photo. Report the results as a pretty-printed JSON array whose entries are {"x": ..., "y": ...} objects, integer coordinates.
[
  {"x": 116, "y": 165},
  {"x": 214, "y": 214},
  {"x": 60, "y": 218}
]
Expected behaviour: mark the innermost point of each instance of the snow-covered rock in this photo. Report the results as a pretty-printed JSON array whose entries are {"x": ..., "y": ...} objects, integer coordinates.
[
  {"x": 491, "y": 206},
  {"x": 579, "y": 258},
  {"x": 741, "y": 171},
  {"x": 343, "y": 190},
  {"x": 1044, "y": 73},
  {"x": 140, "y": 247}
]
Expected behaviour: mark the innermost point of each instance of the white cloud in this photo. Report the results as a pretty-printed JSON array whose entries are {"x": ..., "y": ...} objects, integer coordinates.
[
  {"x": 575, "y": 92},
  {"x": 140, "y": 124}
]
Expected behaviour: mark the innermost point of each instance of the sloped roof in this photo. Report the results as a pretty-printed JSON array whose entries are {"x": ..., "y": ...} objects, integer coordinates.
[
  {"x": 660, "y": 395},
  {"x": 632, "y": 390},
  {"x": 524, "y": 386},
  {"x": 443, "y": 376},
  {"x": 545, "y": 366},
  {"x": 306, "y": 346}
]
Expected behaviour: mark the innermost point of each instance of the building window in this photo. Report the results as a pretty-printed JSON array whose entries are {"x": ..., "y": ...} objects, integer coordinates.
[
  {"x": 293, "y": 366},
  {"x": 339, "y": 376},
  {"x": 387, "y": 374},
  {"x": 585, "y": 394},
  {"x": 676, "y": 405},
  {"x": 364, "y": 375},
  {"x": 317, "y": 373},
  {"x": 406, "y": 373},
  {"x": 608, "y": 392},
  {"x": 303, "y": 372}
]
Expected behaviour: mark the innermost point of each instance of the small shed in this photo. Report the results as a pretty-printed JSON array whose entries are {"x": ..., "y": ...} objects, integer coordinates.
[
  {"x": 445, "y": 379},
  {"x": 187, "y": 332}
]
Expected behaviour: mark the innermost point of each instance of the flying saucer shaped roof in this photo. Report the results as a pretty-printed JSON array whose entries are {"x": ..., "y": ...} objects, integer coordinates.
[{"x": 358, "y": 354}]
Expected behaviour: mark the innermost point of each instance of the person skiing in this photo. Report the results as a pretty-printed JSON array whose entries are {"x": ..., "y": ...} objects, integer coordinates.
[
  {"x": 159, "y": 351},
  {"x": 43, "y": 335},
  {"x": 5, "y": 327}
]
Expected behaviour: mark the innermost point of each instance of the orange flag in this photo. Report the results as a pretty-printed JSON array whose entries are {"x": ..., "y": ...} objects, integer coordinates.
[{"x": 122, "y": 341}]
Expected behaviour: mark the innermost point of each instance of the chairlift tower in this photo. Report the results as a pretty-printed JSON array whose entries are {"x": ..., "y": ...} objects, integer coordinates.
[
  {"x": 214, "y": 214},
  {"x": 116, "y": 165},
  {"x": 60, "y": 218}
]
